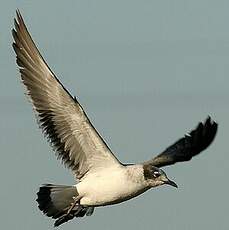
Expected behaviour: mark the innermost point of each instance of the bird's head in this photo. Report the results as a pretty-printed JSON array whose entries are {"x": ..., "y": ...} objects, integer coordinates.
[{"x": 155, "y": 176}]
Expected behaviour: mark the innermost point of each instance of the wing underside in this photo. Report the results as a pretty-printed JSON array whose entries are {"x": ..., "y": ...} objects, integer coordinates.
[{"x": 60, "y": 116}]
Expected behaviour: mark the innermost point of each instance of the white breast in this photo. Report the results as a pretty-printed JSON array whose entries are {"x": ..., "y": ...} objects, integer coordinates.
[{"x": 113, "y": 185}]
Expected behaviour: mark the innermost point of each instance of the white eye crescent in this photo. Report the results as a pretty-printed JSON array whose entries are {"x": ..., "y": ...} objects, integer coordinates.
[{"x": 156, "y": 174}]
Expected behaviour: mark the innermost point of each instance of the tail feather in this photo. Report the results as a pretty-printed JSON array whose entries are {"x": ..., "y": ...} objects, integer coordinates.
[{"x": 55, "y": 201}]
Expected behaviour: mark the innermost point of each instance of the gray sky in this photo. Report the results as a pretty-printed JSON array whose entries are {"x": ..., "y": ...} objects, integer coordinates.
[{"x": 146, "y": 72}]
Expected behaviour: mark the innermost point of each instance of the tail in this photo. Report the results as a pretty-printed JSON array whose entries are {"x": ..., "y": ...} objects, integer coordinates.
[{"x": 56, "y": 200}]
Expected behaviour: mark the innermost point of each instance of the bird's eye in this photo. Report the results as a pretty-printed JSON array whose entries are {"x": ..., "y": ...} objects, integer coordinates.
[{"x": 156, "y": 174}]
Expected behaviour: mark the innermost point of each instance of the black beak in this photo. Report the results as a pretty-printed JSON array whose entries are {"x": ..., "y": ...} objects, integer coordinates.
[{"x": 169, "y": 182}]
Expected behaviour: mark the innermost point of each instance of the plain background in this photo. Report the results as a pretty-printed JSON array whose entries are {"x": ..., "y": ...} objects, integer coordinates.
[{"x": 146, "y": 72}]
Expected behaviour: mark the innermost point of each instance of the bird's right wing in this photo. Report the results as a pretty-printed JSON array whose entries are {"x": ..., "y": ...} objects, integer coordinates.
[
  {"x": 60, "y": 116},
  {"x": 188, "y": 146}
]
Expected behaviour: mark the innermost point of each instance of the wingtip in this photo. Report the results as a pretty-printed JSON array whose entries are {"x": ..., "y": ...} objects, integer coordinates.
[
  {"x": 18, "y": 20},
  {"x": 210, "y": 127},
  {"x": 212, "y": 123},
  {"x": 210, "y": 120},
  {"x": 18, "y": 13},
  {"x": 16, "y": 27}
]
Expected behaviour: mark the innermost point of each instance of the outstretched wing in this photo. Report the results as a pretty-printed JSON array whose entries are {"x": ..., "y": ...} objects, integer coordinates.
[
  {"x": 60, "y": 116},
  {"x": 188, "y": 146}
]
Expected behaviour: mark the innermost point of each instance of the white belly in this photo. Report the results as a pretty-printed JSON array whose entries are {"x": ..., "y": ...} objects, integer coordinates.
[{"x": 110, "y": 187}]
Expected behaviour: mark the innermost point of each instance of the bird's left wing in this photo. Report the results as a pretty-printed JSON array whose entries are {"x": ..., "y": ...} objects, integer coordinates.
[
  {"x": 60, "y": 116},
  {"x": 188, "y": 146}
]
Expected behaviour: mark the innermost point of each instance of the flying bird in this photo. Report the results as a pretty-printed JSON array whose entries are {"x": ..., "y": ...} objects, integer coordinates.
[{"x": 101, "y": 179}]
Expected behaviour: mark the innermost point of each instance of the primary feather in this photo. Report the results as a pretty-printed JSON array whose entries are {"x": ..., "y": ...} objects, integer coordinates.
[
  {"x": 60, "y": 116},
  {"x": 188, "y": 146}
]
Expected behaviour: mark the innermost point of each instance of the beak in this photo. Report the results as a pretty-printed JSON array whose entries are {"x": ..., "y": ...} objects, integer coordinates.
[{"x": 172, "y": 183}]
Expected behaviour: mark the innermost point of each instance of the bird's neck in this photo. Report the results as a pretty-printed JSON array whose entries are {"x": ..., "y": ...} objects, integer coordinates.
[{"x": 135, "y": 173}]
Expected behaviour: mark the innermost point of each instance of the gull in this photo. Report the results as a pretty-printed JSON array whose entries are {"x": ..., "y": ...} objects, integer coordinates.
[{"x": 101, "y": 179}]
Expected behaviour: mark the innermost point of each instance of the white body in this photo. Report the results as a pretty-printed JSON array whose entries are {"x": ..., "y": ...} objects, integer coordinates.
[{"x": 112, "y": 185}]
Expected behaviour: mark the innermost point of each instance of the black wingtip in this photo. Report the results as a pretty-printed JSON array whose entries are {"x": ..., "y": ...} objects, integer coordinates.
[
  {"x": 189, "y": 146},
  {"x": 204, "y": 134}
]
